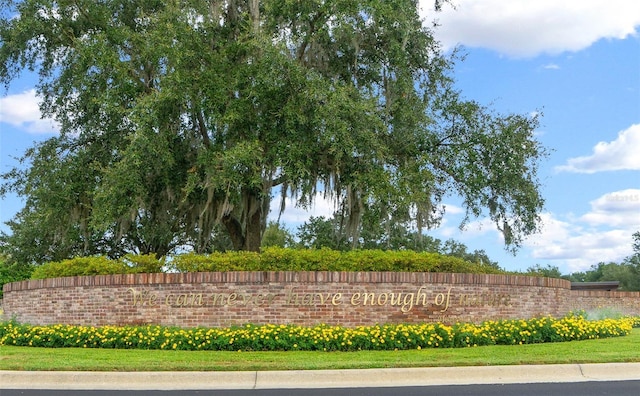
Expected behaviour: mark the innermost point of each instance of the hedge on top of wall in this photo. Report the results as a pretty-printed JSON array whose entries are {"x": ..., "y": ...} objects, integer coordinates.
[
  {"x": 98, "y": 265},
  {"x": 279, "y": 259},
  {"x": 270, "y": 259}
]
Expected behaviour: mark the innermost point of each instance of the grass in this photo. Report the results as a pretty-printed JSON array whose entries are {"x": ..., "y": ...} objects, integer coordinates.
[{"x": 619, "y": 349}]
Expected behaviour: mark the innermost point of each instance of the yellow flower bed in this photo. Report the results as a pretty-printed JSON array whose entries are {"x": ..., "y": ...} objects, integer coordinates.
[{"x": 322, "y": 337}]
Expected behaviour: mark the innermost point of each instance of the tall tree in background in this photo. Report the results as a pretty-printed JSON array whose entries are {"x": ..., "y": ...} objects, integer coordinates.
[
  {"x": 276, "y": 235},
  {"x": 183, "y": 117},
  {"x": 634, "y": 259}
]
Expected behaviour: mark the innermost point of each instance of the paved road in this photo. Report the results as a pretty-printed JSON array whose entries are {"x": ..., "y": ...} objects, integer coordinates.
[{"x": 614, "y": 388}]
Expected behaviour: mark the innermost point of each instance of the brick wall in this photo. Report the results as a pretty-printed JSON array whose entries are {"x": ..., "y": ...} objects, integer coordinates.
[
  {"x": 306, "y": 298},
  {"x": 595, "y": 300}
]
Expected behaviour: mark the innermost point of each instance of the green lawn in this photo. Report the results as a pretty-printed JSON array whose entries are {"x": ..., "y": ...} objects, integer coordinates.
[{"x": 619, "y": 349}]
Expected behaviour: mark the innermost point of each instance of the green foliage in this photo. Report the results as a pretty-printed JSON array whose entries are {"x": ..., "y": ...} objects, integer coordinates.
[
  {"x": 99, "y": 265},
  {"x": 148, "y": 263},
  {"x": 633, "y": 261},
  {"x": 80, "y": 266},
  {"x": 548, "y": 271},
  {"x": 317, "y": 338},
  {"x": 278, "y": 259},
  {"x": 320, "y": 232},
  {"x": 626, "y": 273},
  {"x": 229, "y": 261},
  {"x": 12, "y": 272},
  {"x": 276, "y": 235},
  {"x": 270, "y": 259},
  {"x": 457, "y": 249},
  {"x": 181, "y": 120}
]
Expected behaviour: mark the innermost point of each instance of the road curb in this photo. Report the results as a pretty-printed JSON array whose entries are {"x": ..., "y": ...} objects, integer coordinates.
[{"x": 307, "y": 379}]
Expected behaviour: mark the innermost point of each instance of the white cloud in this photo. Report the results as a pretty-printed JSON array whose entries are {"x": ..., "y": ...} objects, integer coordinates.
[
  {"x": 551, "y": 66},
  {"x": 604, "y": 234},
  {"x": 616, "y": 209},
  {"x": 620, "y": 154},
  {"x": 482, "y": 230},
  {"x": 575, "y": 248},
  {"x": 525, "y": 28},
  {"x": 22, "y": 111},
  {"x": 452, "y": 209},
  {"x": 480, "y": 227},
  {"x": 573, "y": 243}
]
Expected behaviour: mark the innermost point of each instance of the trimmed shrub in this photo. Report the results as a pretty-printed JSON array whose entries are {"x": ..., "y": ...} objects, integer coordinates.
[
  {"x": 80, "y": 266},
  {"x": 229, "y": 261},
  {"x": 143, "y": 263},
  {"x": 13, "y": 272},
  {"x": 281, "y": 259},
  {"x": 271, "y": 259}
]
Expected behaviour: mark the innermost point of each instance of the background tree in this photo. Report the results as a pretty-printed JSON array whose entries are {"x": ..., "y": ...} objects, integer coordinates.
[
  {"x": 319, "y": 232},
  {"x": 625, "y": 274},
  {"x": 634, "y": 259},
  {"x": 457, "y": 249},
  {"x": 549, "y": 271},
  {"x": 632, "y": 262},
  {"x": 331, "y": 233},
  {"x": 276, "y": 235},
  {"x": 11, "y": 271},
  {"x": 181, "y": 116}
]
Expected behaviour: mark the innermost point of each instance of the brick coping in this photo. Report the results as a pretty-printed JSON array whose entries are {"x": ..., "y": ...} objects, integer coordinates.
[{"x": 262, "y": 277}]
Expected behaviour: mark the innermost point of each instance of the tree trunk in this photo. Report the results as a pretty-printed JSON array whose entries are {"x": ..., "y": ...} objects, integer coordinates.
[
  {"x": 254, "y": 11},
  {"x": 253, "y": 232},
  {"x": 254, "y": 212},
  {"x": 235, "y": 231}
]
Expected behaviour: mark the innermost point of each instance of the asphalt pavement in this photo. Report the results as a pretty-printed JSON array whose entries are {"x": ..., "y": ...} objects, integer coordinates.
[{"x": 313, "y": 379}]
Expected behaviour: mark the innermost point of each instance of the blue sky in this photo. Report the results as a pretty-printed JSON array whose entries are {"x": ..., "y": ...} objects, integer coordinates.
[{"x": 578, "y": 62}]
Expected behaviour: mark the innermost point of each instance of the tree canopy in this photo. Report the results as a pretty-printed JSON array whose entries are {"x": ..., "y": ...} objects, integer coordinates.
[{"x": 181, "y": 120}]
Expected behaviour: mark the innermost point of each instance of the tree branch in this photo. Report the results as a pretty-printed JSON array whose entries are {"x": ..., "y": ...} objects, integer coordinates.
[
  {"x": 203, "y": 129},
  {"x": 312, "y": 24}
]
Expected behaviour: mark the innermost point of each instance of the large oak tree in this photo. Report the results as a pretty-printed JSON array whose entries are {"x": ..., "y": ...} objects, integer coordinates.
[{"x": 182, "y": 119}]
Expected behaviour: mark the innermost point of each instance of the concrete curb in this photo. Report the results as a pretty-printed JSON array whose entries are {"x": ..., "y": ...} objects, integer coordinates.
[{"x": 307, "y": 379}]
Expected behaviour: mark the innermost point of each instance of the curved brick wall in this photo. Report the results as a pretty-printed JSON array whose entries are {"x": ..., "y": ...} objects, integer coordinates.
[{"x": 305, "y": 298}]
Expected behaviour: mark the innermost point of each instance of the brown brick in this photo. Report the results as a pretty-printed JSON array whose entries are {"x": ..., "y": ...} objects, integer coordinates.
[{"x": 303, "y": 298}]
